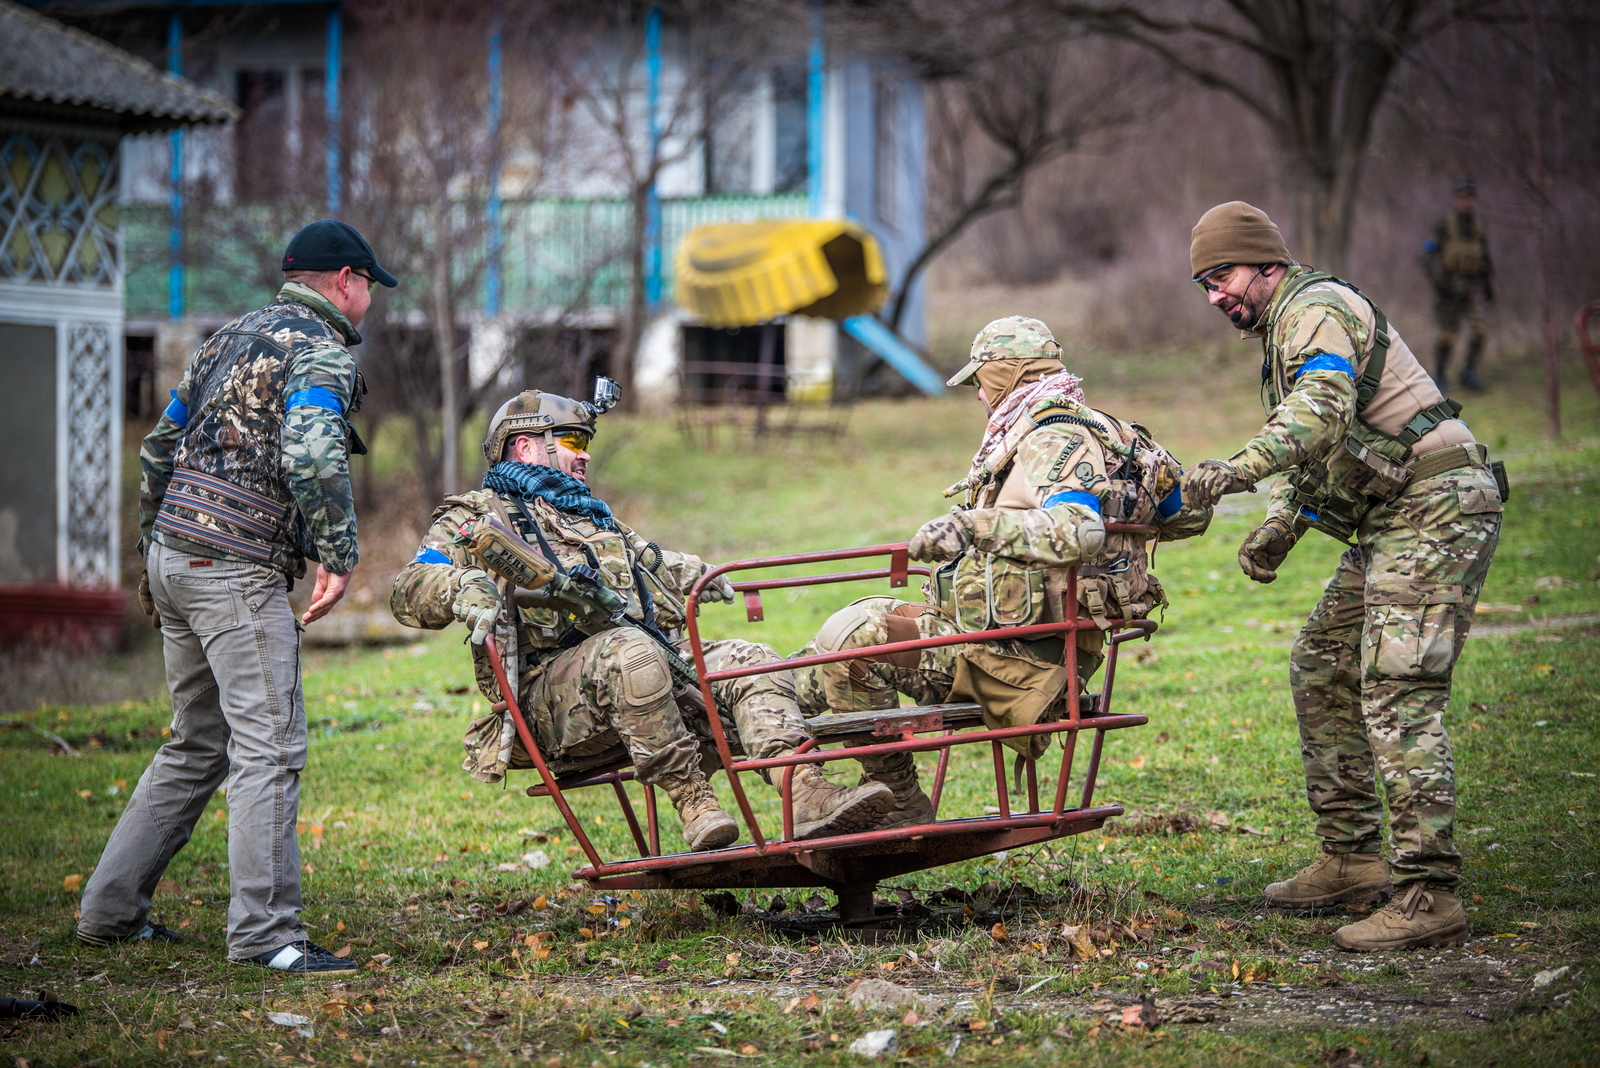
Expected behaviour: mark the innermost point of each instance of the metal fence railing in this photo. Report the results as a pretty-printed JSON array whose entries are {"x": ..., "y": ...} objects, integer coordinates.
[{"x": 557, "y": 254}]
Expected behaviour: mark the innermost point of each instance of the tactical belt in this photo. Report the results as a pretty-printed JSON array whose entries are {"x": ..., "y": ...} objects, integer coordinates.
[
  {"x": 253, "y": 519},
  {"x": 1451, "y": 458}
]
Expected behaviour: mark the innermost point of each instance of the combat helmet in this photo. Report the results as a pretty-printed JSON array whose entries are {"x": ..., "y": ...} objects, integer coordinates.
[
  {"x": 1016, "y": 337},
  {"x": 533, "y": 412}
]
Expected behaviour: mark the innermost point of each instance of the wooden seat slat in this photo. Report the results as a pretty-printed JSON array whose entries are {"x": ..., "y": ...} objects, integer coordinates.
[{"x": 834, "y": 724}]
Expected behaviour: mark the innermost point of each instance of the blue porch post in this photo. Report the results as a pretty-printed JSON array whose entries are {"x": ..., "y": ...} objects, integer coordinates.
[
  {"x": 491, "y": 301},
  {"x": 652, "y": 218},
  {"x": 175, "y": 279},
  {"x": 814, "y": 87},
  {"x": 330, "y": 89}
]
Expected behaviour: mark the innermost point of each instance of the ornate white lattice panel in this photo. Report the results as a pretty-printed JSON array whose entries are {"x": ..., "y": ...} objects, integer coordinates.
[
  {"x": 58, "y": 210},
  {"x": 92, "y": 452}
]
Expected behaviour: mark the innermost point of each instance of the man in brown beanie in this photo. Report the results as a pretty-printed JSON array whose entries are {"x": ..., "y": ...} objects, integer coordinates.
[{"x": 1372, "y": 455}]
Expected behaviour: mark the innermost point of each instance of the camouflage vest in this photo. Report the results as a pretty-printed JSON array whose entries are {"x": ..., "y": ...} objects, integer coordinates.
[
  {"x": 1333, "y": 493},
  {"x": 986, "y": 591},
  {"x": 228, "y": 490}
]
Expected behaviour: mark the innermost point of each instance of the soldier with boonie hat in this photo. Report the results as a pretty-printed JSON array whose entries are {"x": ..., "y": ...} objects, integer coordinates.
[{"x": 1050, "y": 473}]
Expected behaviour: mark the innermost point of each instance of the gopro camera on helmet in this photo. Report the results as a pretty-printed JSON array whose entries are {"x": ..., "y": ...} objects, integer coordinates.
[{"x": 606, "y": 395}]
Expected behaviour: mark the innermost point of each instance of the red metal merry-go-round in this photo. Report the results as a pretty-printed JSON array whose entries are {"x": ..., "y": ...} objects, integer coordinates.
[{"x": 851, "y": 865}]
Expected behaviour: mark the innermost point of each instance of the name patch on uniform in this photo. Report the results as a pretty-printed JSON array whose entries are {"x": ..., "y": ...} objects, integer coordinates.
[
  {"x": 199, "y": 563},
  {"x": 1087, "y": 475},
  {"x": 1067, "y": 450}
]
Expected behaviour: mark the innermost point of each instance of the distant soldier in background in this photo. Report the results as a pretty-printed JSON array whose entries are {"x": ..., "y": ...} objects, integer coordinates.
[
  {"x": 1456, "y": 258},
  {"x": 1049, "y": 474}
]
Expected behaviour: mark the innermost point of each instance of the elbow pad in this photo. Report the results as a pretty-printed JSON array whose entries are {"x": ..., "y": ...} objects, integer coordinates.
[{"x": 1092, "y": 537}]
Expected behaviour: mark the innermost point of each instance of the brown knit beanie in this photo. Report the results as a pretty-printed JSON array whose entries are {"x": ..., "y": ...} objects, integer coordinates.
[{"x": 1235, "y": 232}]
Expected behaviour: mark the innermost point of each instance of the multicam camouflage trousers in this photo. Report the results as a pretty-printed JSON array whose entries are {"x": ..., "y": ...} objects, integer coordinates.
[
  {"x": 615, "y": 690},
  {"x": 925, "y": 675},
  {"x": 1371, "y": 672}
]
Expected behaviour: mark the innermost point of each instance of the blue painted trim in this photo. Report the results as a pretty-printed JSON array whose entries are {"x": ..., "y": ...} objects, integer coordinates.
[
  {"x": 815, "y": 84},
  {"x": 652, "y": 201},
  {"x": 330, "y": 89},
  {"x": 177, "y": 411},
  {"x": 871, "y": 332},
  {"x": 175, "y": 272},
  {"x": 1172, "y": 504},
  {"x": 428, "y": 555},
  {"x": 1088, "y": 500},
  {"x": 315, "y": 397},
  {"x": 491, "y": 280},
  {"x": 1326, "y": 361}
]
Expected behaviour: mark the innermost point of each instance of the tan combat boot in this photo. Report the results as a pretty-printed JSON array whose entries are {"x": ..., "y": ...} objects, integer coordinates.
[
  {"x": 822, "y": 809},
  {"x": 1423, "y": 917},
  {"x": 898, "y": 772},
  {"x": 1333, "y": 879},
  {"x": 705, "y": 825}
]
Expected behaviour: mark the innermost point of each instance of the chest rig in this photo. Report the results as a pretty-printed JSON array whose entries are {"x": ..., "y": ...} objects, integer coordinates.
[
  {"x": 982, "y": 590},
  {"x": 1333, "y": 493}
]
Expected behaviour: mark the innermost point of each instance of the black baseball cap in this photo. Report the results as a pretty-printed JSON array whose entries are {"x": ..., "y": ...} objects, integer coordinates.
[{"x": 328, "y": 245}]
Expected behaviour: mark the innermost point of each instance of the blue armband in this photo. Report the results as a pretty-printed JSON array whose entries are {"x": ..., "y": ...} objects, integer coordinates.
[
  {"x": 1430, "y": 246},
  {"x": 315, "y": 397},
  {"x": 1172, "y": 503},
  {"x": 177, "y": 411},
  {"x": 1326, "y": 361},
  {"x": 1088, "y": 500},
  {"x": 428, "y": 555}
]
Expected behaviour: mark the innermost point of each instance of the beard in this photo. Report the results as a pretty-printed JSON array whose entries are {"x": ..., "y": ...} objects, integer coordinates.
[{"x": 1244, "y": 316}]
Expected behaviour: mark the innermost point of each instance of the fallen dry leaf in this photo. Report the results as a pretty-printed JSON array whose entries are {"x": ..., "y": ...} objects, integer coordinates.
[
  {"x": 72, "y": 883},
  {"x": 999, "y": 933}
]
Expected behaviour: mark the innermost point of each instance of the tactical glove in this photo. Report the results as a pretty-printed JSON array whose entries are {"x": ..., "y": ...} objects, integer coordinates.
[
  {"x": 1209, "y": 480},
  {"x": 478, "y": 604},
  {"x": 1263, "y": 551},
  {"x": 942, "y": 539},
  {"x": 147, "y": 602},
  {"x": 718, "y": 589}
]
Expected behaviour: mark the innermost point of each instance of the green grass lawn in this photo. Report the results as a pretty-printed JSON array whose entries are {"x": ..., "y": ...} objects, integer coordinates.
[{"x": 403, "y": 852}]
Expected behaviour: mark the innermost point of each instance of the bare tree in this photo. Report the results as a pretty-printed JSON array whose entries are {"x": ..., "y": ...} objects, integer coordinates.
[
  {"x": 1314, "y": 73},
  {"x": 421, "y": 153},
  {"x": 1009, "y": 114},
  {"x": 708, "y": 50}
]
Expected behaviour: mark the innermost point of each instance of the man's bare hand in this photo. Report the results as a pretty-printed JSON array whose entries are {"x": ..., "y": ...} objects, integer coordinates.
[{"x": 324, "y": 595}]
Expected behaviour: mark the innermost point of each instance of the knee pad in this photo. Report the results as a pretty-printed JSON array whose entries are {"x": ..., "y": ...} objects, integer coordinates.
[{"x": 644, "y": 677}]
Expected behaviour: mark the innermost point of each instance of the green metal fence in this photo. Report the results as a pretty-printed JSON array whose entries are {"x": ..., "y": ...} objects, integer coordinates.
[{"x": 557, "y": 254}]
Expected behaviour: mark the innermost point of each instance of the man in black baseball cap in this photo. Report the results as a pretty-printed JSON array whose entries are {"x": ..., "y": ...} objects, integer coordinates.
[
  {"x": 328, "y": 245},
  {"x": 245, "y": 478}
]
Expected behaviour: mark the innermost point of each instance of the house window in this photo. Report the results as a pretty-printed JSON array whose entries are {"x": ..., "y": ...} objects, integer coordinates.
[
  {"x": 789, "y": 121},
  {"x": 886, "y": 150},
  {"x": 280, "y": 140}
]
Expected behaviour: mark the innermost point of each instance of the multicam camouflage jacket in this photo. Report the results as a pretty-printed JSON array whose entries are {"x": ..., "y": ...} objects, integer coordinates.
[
  {"x": 1064, "y": 470},
  {"x": 1316, "y": 342},
  {"x": 250, "y": 461},
  {"x": 425, "y": 590}
]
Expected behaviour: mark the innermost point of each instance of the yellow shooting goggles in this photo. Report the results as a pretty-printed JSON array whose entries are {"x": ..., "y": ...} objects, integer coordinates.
[{"x": 576, "y": 440}]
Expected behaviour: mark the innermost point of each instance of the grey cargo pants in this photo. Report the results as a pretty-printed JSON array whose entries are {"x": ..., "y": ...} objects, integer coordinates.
[{"x": 233, "y": 666}]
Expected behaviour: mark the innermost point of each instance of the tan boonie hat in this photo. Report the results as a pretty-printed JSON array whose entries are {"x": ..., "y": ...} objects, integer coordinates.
[
  {"x": 1015, "y": 337},
  {"x": 1235, "y": 232}
]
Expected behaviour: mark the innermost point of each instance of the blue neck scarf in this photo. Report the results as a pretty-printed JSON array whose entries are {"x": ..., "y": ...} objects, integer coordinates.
[{"x": 557, "y": 489}]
